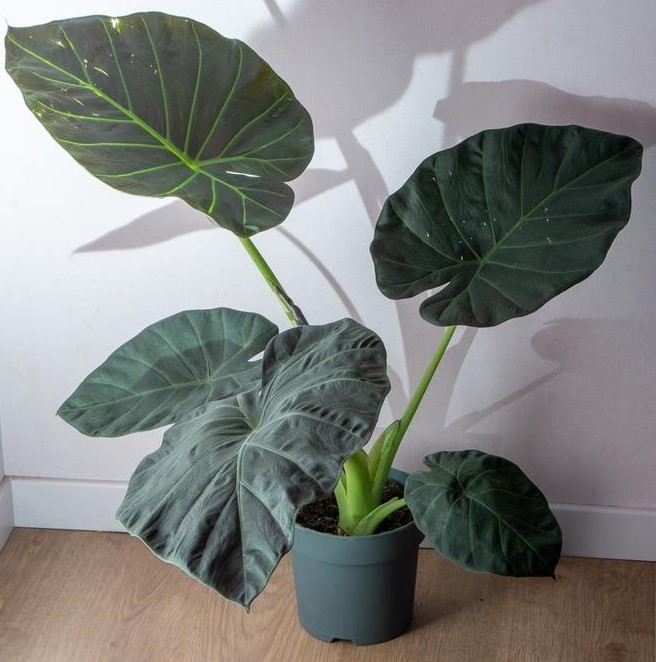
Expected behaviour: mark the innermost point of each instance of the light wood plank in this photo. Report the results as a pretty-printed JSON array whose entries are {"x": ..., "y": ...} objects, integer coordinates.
[{"x": 72, "y": 596}]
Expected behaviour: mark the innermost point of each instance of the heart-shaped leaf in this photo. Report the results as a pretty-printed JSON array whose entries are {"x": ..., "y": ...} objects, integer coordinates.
[
  {"x": 162, "y": 106},
  {"x": 482, "y": 512},
  {"x": 170, "y": 368},
  {"x": 509, "y": 218},
  {"x": 219, "y": 498}
]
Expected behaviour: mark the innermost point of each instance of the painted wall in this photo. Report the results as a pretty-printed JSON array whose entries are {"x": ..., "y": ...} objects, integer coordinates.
[{"x": 568, "y": 393}]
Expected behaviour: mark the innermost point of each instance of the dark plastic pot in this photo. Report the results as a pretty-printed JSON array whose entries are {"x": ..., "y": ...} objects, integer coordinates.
[{"x": 359, "y": 588}]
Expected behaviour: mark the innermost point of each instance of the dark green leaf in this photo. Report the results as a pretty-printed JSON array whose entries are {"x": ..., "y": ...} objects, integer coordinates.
[
  {"x": 509, "y": 218},
  {"x": 170, "y": 368},
  {"x": 219, "y": 498},
  {"x": 483, "y": 513},
  {"x": 162, "y": 106}
]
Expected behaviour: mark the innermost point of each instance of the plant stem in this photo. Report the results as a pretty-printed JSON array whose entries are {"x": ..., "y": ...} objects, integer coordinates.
[
  {"x": 292, "y": 311},
  {"x": 420, "y": 391},
  {"x": 390, "y": 444}
]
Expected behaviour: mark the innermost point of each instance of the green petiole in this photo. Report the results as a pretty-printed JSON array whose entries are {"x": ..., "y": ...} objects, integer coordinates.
[
  {"x": 391, "y": 443},
  {"x": 293, "y": 313}
]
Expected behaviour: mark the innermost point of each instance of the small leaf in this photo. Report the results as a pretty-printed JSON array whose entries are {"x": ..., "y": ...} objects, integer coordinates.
[
  {"x": 162, "y": 106},
  {"x": 509, "y": 218},
  {"x": 482, "y": 512},
  {"x": 219, "y": 498},
  {"x": 170, "y": 368}
]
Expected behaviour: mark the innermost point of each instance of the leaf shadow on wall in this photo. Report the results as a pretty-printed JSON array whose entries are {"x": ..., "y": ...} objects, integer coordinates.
[
  {"x": 372, "y": 54},
  {"x": 372, "y": 51},
  {"x": 478, "y": 105},
  {"x": 371, "y": 67},
  {"x": 490, "y": 104},
  {"x": 607, "y": 400}
]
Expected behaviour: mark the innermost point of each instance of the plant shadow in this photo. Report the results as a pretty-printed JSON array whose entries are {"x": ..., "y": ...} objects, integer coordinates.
[
  {"x": 385, "y": 60},
  {"x": 517, "y": 101}
]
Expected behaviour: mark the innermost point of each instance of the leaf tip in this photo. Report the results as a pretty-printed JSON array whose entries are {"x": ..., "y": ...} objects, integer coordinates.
[{"x": 61, "y": 412}]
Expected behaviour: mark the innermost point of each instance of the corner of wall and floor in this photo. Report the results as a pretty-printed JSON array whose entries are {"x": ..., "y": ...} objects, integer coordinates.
[{"x": 6, "y": 505}]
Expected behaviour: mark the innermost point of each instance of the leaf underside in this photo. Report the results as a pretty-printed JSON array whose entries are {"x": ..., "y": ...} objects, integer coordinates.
[
  {"x": 219, "y": 498},
  {"x": 168, "y": 369},
  {"x": 159, "y": 105},
  {"x": 482, "y": 512},
  {"x": 509, "y": 218}
]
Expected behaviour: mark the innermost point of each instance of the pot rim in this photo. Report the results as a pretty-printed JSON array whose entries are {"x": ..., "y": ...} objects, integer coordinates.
[
  {"x": 382, "y": 534},
  {"x": 395, "y": 474}
]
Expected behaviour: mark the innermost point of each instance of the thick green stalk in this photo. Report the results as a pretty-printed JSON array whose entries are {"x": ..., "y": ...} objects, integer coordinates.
[
  {"x": 392, "y": 443},
  {"x": 355, "y": 499},
  {"x": 420, "y": 391},
  {"x": 292, "y": 311}
]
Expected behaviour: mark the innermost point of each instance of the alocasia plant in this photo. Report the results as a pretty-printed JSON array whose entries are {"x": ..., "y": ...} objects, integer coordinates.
[{"x": 163, "y": 106}]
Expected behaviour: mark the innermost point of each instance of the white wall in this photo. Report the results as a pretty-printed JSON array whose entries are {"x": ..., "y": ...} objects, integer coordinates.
[{"x": 567, "y": 392}]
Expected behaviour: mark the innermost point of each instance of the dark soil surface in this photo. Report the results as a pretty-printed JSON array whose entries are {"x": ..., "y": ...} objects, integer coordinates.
[{"x": 322, "y": 515}]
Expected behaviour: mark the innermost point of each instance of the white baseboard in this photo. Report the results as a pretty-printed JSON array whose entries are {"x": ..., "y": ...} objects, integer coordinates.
[
  {"x": 607, "y": 532},
  {"x": 593, "y": 531},
  {"x": 45, "y": 503},
  {"x": 6, "y": 511}
]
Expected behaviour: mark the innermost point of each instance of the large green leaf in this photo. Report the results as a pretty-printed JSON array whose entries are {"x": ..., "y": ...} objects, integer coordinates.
[
  {"x": 220, "y": 497},
  {"x": 509, "y": 218},
  {"x": 163, "y": 106},
  {"x": 170, "y": 368},
  {"x": 483, "y": 513}
]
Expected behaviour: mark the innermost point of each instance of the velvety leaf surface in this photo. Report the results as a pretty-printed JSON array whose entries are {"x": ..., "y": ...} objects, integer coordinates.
[
  {"x": 159, "y": 105},
  {"x": 482, "y": 512},
  {"x": 509, "y": 218},
  {"x": 219, "y": 498},
  {"x": 170, "y": 368}
]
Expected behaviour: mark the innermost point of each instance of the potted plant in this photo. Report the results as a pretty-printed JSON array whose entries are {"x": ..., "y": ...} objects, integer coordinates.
[{"x": 159, "y": 105}]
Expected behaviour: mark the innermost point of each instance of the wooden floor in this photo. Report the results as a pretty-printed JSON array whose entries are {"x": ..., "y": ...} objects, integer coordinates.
[{"x": 102, "y": 597}]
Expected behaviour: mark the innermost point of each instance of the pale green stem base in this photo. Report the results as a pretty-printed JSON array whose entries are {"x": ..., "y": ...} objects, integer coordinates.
[{"x": 353, "y": 494}]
